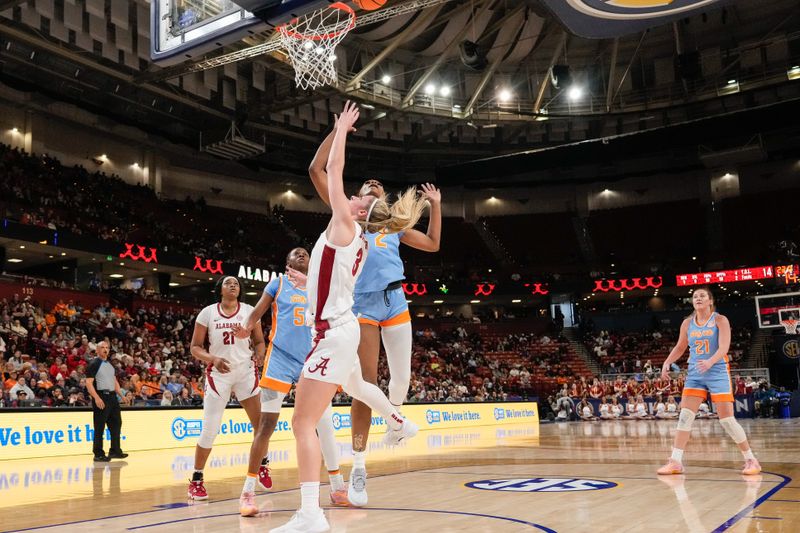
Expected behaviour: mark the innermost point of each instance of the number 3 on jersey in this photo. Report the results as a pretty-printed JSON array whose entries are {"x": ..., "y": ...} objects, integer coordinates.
[
  {"x": 359, "y": 257},
  {"x": 701, "y": 347}
]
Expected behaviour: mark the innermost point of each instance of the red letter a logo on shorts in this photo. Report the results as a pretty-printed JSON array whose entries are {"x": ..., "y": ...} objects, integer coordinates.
[{"x": 322, "y": 366}]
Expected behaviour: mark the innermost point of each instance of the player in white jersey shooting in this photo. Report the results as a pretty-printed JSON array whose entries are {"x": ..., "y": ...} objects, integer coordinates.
[{"x": 336, "y": 262}]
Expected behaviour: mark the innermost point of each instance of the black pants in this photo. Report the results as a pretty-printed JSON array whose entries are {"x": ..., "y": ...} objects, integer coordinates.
[{"x": 110, "y": 416}]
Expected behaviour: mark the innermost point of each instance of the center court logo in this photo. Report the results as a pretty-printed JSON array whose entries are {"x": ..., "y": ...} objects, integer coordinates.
[
  {"x": 541, "y": 484},
  {"x": 636, "y": 9},
  {"x": 341, "y": 421},
  {"x": 433, "y": 417},
  {"x": 182, "y": 428}
]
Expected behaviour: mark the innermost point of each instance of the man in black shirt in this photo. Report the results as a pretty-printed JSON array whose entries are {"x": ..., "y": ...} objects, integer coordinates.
[{"x": 103, "y": 387}]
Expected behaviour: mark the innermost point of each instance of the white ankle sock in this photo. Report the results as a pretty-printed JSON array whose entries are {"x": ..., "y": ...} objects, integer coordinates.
[
  {"x": 748, "y": 454},
  {"x": 337, "y": 482},
  {"x": 677, "y": 455},
  {"x": 359, "y": 459},
  {"x": 249, "y": 484},
  {"x": 309, "y": 492}
]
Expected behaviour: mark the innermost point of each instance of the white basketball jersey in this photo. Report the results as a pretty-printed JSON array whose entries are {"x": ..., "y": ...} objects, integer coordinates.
[
  {"x": 332, "y": 274},
  {"x": 222, "y": 342}
]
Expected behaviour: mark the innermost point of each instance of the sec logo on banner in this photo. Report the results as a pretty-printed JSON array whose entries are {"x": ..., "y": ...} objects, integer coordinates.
[
  {"x": 541, "y": 484},
  {"x": 182, "y": 428},
  {"x": 341, "y": 420},
  {"x": 791, "y": 349}
]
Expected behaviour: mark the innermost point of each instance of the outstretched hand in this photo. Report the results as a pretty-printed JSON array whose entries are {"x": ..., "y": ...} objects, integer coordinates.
[
  {"x": 349, "y": 116},
  {"x": 431, "y": 193},
  {"x": 296, "y": 277}
]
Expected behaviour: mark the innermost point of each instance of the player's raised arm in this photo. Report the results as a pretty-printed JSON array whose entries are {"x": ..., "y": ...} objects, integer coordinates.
[
  {"x": 427, "y": 242},
  {"x": 341, "y": 230},
  {"x": 317, "y": 170}
]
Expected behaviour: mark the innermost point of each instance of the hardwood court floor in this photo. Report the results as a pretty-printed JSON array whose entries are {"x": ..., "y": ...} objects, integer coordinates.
[{"x": 424, "y": 486}]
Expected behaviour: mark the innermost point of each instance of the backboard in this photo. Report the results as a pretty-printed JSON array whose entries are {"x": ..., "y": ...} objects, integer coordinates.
[
  {"x": 772, "y": 308},
  {"x": 187, "y": 29}
]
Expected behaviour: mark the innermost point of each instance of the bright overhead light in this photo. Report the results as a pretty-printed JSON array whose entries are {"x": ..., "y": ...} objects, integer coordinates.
[
  {"x": 409, "y": 301},
  {"x": 115, "y": 276},
  {"x": 492, "y": 199},
  {"x": 430, "y": 89},
  {"x": 210, "y": 279},
  {"x": 793, "y": 73},
  {"x": 438, "y": 301},
  {"x": 14, "y": 130},
  {"x": 173, "y": 284},
  {"x": 251, "y": 293},
  {"x": 386, "y": 78},
  {"x": 122, "y": 263},
  {"x": 574, "y": 93},
  {"x": 182, "y": 274},
  {"x": 155, "y": 270},
  {"x": 606, "y": 191},
  {"x": 504, "y": 95},
  {"x": 731, "y": 82},
  {"x": 474, "y": 301},
  {"x": 21, "y": 246},
  {"x": 289, "y": 191},
  {"x": 516, "y": 301},
  {"x": 135, "y": 165},
  {"x": 63, "y": 253},
  {"x": 15, "y": 260},
  {"x": 445, "y": 90}
]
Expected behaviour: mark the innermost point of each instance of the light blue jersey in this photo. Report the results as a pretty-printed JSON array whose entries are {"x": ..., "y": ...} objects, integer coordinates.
[
  {"x": 703, "y": 344},
  {"x": 289, "y": 337},
  {"x": 383, "y": 265}
]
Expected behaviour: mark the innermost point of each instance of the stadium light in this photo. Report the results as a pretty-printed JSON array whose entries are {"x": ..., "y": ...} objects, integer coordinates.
[
  {"x": 386, "y": 79},
  {"x": 793, "y": 73},
  {"x": 430, "y": 89},
  {"x": 504, "y": 95},
  {"x": 574, "y": 93}
]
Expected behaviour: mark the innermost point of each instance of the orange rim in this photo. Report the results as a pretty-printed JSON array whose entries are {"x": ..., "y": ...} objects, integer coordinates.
[{"x": 298, "y": 35}]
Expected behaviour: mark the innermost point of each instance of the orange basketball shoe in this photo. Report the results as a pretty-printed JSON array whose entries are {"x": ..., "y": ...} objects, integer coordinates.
[
  {"x": 339, "y": 498},
  {"x": 672, "y": 467},
  {"x": 751, "y": 467},
  {"x": 247, "y": 504}
]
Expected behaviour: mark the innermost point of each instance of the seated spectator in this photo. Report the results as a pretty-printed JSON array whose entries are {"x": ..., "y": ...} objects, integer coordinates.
[{"x": 585, "y": 411}]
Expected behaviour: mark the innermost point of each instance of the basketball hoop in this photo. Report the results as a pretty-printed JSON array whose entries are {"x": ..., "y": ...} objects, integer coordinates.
[
  {"x": 790, "y": 325},
  {"x": 310, "y": 41}
]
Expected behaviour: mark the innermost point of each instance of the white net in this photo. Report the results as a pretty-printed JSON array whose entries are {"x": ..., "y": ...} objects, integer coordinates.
[
  {"x": 790, "y": 326},
  {"x": 311, "y": 42}
]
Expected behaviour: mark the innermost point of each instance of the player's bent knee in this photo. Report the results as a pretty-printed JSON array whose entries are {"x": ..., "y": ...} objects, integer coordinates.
[
  {"x": 271, "y": 401},
  {"x": 733, "y": 428},
  {"x": 685, "y": 420},
  {"x": 207, "y": 436}
]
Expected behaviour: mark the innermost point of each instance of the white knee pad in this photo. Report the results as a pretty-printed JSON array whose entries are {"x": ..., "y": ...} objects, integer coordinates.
[
  {"x": 397, "y": 341},
  {"x": 327, "y": 440},
  {"x": 733, "y": 428},
  {"x": 271, "y": 400},
  {"x": 213, "y": 409},
  {"x": 685, "y": 420}
]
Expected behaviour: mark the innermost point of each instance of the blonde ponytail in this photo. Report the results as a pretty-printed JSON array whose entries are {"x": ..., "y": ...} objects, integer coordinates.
[{"x": 399, "y": 216}]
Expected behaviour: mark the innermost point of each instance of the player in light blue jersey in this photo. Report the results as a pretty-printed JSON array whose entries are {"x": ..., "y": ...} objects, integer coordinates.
[
  {"x": 707, "y": 334},
  {"x": 382, "y": 311},
  {"x": 289, "y": 345}
]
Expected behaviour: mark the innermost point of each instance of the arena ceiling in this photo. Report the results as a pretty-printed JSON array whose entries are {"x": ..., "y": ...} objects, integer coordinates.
[{"x": 423, "y": 108}]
